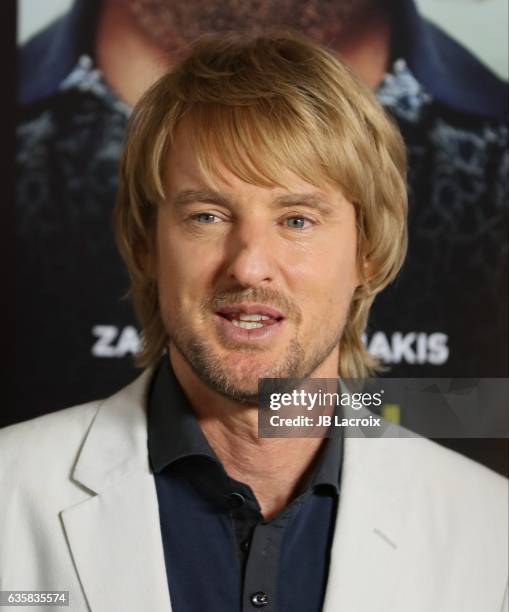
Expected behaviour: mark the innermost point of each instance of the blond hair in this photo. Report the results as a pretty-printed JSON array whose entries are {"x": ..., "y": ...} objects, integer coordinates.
[{"x": 261, "y": 105}]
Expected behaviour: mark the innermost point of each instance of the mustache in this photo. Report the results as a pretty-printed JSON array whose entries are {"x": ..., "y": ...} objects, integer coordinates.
[{"x": 261, "y": 295}]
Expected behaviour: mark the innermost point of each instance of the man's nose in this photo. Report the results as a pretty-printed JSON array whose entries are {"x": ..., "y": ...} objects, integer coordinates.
[{"x": 251, "y": 254}]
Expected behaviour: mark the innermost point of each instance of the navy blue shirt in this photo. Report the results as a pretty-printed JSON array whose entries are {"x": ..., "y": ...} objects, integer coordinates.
[{"x": 221, "y": 554}]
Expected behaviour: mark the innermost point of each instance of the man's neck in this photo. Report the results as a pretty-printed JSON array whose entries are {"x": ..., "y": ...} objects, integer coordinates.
[
  {"x": 130, "y": 61},
  {"x": 367, "y": 48},
  {"x": 275, "y": 469}
]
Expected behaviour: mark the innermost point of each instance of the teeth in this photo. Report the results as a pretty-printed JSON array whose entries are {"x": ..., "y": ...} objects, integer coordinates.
[
  {"x": 246, "y": 324},
  {"x": 252, "y": 317}
]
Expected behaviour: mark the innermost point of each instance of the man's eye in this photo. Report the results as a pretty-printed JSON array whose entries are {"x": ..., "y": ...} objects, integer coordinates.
[
  {"x": 205, "y": 218},
  {"x": 296, "y": 222}
]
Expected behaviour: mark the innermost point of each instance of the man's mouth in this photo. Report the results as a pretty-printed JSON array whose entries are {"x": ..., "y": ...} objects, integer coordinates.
[{"x": 250, "y": 316}]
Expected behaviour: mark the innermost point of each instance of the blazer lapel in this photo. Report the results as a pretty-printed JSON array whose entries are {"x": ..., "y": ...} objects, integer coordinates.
[
  {"x": 114, "y": 537},
  {"x": 368, "y": 553}
]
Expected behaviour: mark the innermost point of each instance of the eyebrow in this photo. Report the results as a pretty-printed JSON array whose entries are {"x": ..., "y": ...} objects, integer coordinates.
[
  {"x": 311, "y": 200},
  {"x": 190, "y": 196}
]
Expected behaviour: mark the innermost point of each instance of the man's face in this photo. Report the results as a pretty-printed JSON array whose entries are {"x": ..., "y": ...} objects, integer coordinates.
[{"x": 254, "y": 282}]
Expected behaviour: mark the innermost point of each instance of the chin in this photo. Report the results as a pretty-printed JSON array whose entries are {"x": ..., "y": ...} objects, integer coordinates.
[
  {"x": 238, "y": 375},
  {"x": 235, "y": 384},
  {"x": 245, "y": 370},
  {"x": 234, "y": 372}
]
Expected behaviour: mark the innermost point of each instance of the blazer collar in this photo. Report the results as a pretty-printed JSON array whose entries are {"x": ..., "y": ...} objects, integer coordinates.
[
  {"x": 114, "y": 536},
  {"x": 116, "y": 442}
]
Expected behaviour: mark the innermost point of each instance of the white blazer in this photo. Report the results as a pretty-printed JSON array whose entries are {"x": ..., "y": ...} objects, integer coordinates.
[{"x": 419, "y": 528}]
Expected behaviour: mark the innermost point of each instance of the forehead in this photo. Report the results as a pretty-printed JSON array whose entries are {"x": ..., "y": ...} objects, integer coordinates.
[
  {"x": 256, "y": 144},
  {"x": 185, "y": 172}
]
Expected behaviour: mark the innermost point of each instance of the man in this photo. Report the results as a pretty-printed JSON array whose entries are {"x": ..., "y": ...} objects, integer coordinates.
[
  {"x": 261, "y": 208},
  {"x": 78, "y": 81}
]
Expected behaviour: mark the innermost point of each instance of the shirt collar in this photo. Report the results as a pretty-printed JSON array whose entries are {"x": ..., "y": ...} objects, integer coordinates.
[
  {"x": 50, "y": 55},
  {"x": 402, "y": 93},
  {"x": 447, "y": 71},
  {"x": 174, "y": 432},
  {"x": 328, "y": 470},
  {"x": 86, "y": 78}
]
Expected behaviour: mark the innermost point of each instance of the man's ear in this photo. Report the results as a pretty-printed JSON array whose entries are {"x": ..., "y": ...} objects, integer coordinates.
[{"x": 366, "y": 271}]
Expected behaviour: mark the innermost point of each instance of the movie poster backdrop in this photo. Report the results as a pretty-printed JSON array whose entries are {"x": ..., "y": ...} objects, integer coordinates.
[{"x": 445, "y": 316}]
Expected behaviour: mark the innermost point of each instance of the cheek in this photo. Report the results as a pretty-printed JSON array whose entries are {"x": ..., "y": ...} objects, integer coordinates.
[
  {"x": 328, "y": 274},
  {"x": 325, "y": 285},
  {"x": 171, "y": 271},
  {"x": 183, "y": 271}
]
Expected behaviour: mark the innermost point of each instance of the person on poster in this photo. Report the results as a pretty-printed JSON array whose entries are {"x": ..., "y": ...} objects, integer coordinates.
[
  {"x": 262, "y": 206},
  {"x": 446, "y": 315}
]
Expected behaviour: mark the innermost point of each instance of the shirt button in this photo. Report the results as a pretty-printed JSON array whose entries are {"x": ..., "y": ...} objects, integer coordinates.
[
  {"x": 237, "y": 500},
  {"x": 259, "y": 599},
  {"x": 245, "y": 545}
]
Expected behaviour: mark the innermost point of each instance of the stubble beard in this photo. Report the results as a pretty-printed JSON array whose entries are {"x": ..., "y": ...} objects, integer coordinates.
[
  {"x": 174, "y": 24},
  {"x": 207, "y": 365}
]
